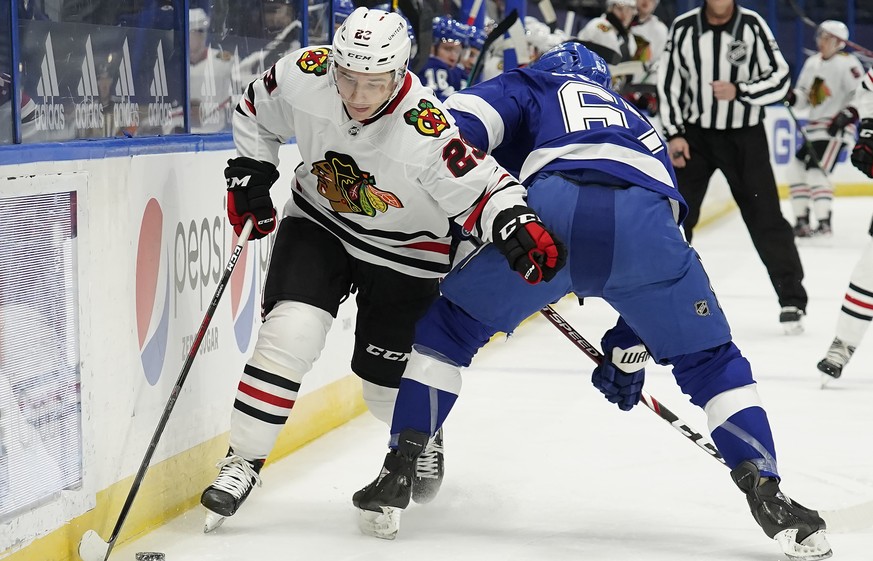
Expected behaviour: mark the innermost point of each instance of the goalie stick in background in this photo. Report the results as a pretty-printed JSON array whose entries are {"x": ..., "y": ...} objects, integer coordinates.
[
  {"x": 598, "y": 173},
  {"x": 856, "y": 311},
  {"x": 826, "y": 86},
  {"x": 384, "y": 173}
]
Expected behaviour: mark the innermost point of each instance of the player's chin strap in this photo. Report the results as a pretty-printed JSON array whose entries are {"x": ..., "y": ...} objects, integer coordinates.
[{"x": 849, "y": 519}]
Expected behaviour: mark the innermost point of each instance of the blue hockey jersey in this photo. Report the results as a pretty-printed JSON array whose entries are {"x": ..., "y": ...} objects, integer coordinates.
[
  {"x": 533, "y": 121},
  {"x": 443, "y": 79}
]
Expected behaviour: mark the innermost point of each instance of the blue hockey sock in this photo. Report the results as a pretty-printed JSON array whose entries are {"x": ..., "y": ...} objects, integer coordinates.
[
  {"x": 420, "y": 407},
  {"x": 746, "y": 435}
]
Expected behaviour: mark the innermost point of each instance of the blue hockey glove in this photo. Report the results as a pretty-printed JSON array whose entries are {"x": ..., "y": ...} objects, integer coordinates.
[{"x": 621, "y": 375}]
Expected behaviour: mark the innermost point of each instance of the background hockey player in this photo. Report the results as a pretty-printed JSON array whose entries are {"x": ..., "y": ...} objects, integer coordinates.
[
  {"x": 383, "y": 173},
  {"x": 612, "y": 29},
  {"x": 598, "y": 173},
  {"x": 826, "y": 85},
  {"x": 856, "y": 311},
  {"x": 443, "y": 72}
]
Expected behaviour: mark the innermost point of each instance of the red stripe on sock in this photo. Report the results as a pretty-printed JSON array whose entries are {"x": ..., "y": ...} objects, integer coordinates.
[
  {"x": 857, "y": 302},
  {"x": 265, "y": 397}
]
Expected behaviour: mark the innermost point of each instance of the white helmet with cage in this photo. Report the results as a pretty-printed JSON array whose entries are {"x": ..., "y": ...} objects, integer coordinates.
[
  {"x": 372, "y": 42},
  {"x": 833, "y": 27}
]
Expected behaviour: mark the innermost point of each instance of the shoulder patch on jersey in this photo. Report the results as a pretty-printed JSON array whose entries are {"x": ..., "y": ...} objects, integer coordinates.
[
  {"x": 604, "y": 27},
  {"x": 349, "y": 188},
  {"x": 427, "y": 119},
  {"x": 314, "y": 61}
]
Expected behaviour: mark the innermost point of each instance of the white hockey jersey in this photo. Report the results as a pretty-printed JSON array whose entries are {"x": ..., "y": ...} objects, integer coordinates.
[
  {"x": 863, "y": 101},
  {"x": 650, "y": 37},
  {"x": 212, "y": 91},
  {"x": 826, "y": 87},
  {"x": 385, "y": 187},
  {"x": 601, "y": 32}
]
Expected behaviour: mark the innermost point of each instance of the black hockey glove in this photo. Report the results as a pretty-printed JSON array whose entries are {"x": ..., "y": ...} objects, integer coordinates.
[
  {"x": 862, "y": 153},
  {"x": 621, "y": 375},
  {"x": 841, "y": 120},
  {"x": 248, "y": 195},
  {"x": 530, "y": 249}
]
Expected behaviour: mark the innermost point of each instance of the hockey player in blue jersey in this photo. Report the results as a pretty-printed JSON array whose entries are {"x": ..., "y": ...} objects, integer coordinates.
[
  {"x": 599, "y": 176},
  {"x": 443, "y": 72}
]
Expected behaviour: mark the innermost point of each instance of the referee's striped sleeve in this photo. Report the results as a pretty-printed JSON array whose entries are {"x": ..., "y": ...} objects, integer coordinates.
[
  {"x": 774, "y": 81},
  {"x": 671, "y": 84}
]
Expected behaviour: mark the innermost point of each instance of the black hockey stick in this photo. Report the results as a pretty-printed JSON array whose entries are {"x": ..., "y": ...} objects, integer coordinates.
[
  {"x": 495, "y": 34},
  {"x": 91, "y": 546},
  {"x": 849, "y": 519},
  {"x": 659, "y": 409},
  {"x": 805, "y": 19}
]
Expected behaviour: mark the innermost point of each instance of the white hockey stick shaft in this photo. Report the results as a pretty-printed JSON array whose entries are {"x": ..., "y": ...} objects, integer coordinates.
[{"x": 91, "y": 546}]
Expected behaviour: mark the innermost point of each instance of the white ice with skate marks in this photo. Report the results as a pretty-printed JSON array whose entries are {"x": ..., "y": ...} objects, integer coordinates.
[{"x": 540, "y": 466}]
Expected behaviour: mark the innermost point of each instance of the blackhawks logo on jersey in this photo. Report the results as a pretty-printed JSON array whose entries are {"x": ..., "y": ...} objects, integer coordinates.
[
  {"x": 314, "y": 61},
  {"x": 349, "y": 189},
  {"x": 818, "y": 92},
  {"x": 644, "y": 49},
  {"x": 427, "y": 119}
]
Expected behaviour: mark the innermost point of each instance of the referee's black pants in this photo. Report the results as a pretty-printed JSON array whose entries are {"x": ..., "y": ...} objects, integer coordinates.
[{"x": 743, "y": 156}]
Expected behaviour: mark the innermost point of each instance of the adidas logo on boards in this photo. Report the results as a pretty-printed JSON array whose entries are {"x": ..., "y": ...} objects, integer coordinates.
[
  {"x": 208, "y": 106},
  {"x": 89, "y": 111},
  {"x": 125, "y": 112},
  {"x": 49, "y": 114},
  {"x": 160, "y": 111}
]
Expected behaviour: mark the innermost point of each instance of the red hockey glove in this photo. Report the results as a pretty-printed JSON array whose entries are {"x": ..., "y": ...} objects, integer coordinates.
[
  {"x": 530, "y": 249},
  {"x": 862, "y": 154},
  {"x": 248, "y": 195},
  {"x": 841, "y": 120}
]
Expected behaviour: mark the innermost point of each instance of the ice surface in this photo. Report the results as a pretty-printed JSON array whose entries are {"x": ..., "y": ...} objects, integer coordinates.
[{"x": 540, "y": 467}]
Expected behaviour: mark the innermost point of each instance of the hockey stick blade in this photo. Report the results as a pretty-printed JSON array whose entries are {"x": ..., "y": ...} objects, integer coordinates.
[
  {"x": 91, "y": 545},
  {"x": 495, "y": 34},
  {"x": 809, "y": 22},
  {"x": 845, "y": 520}
]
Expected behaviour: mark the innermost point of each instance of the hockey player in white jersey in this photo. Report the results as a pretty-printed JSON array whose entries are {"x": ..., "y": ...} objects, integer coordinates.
[
  {"x": 612, "y": 29},
  {"x": 650, "y": 36},
  {"x": 384, "y": 172},
  {"x": 826, "y": 85},
  {"x": 600, "y": 175},
  {"x": 856, "y": 311}
]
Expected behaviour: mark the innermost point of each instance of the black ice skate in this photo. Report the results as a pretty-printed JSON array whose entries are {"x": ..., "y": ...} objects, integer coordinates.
[
  {"x": 236, "y": 478},
  {"x": 834, "y": 361},
  {"x": 802, "y": 229},
  {"x": 791, "y": 318},
  {"x": 429, "y": 470},
  {"x": 381, "y": 501},
  {"x": 799, "y": 531}
]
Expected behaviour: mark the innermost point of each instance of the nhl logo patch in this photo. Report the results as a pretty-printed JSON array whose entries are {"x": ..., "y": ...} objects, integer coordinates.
[
  {"x": 737, "y": 52},
  {"x": 702, "y": 308},
  {"x": 427, "y": 119},
  {"x": 314, "y": 61}
]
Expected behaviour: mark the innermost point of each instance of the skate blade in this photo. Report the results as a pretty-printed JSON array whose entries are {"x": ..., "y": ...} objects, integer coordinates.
[
  {"x": 826, "y": 379},
  {"x": 92, "y": 547},
  {"x": 814, "y": 548},
  {"x": 213, "y": 520},
  {"x": 792, "y": 327},
  {"x": 383, "y": 525}
]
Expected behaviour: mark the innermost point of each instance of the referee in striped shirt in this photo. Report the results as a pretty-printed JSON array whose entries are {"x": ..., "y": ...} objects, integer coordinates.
[{"x": 720, "y": 67}]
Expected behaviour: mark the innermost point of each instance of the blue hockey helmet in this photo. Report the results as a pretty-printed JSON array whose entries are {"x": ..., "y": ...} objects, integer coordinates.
[
  {"x": 448, "y": 30},
  {"x": 476, "y": 38},
  {"x": 573, "y": 57}
]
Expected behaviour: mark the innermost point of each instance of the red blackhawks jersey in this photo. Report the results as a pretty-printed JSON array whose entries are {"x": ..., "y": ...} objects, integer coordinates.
[{"x": 386, "y": 187}]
